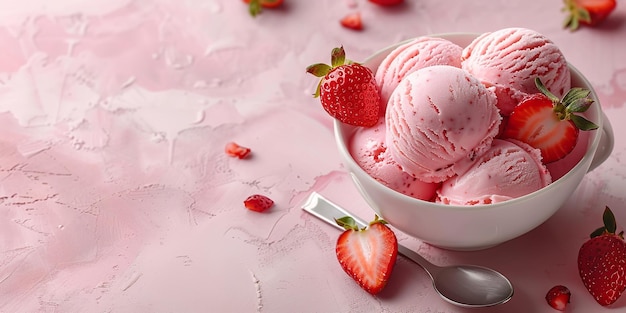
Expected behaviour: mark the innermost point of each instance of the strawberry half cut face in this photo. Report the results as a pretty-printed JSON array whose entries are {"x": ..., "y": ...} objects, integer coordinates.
[
  {"x": 367, "y": 255},
  {"x": 548, "y": 123}
]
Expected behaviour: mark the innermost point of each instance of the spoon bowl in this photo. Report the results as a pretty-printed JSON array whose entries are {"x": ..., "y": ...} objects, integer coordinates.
[{"x": 462, "y": 285}]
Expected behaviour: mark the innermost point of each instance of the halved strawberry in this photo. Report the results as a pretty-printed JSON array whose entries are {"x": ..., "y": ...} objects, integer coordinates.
[
  {"x": 352, "y": 21},
  {"x": 548, "y": 123},
  {"x": 386, "y": 2},
  {"x": 348, "y": 92},
  {"x": 255, "y": 6},
  {"x": 368, "y": 255},
  {"x": 602, "y": 262},
  {"x": 258, "y": 203},
  {"x": 558, "y": 297},
  {"x": 587, "y": 12},
  {"x": 234, "y": 150}
]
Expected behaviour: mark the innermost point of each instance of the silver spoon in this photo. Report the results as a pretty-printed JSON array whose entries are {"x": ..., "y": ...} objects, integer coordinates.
[{"x": 462, "y": 285}]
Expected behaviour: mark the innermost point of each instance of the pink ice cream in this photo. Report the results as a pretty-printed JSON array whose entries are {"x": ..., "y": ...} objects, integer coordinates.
[
  {"x": 438, "y": 119},
  {"x": 509, "y": 169},
  {"x": 508, "y": 60},
  {"x": 411, "y": 56},
  {"x": 367, "y": 147}
]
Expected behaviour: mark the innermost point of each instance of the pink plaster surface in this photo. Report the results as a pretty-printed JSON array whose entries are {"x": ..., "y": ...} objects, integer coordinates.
[{"x": 116, "y": 196}]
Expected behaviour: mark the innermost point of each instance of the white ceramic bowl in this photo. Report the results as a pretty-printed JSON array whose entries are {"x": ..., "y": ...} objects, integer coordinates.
[{"x": 481, "y": 226}]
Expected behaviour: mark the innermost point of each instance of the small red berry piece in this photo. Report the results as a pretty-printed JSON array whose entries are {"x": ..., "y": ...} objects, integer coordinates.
[
  {"x": 234, "y": 150},
  {"x": 386, "y": 2},
  {"x": 368, "y": 255},
  {"x": 558, "y": 297},
  {"x": 256, "y": 6},
  {"x": 587, "y": 12},
  {"x": 602, "y": 262},
  {"x": 548, "y": 123},
  {"x": 352, "y": 21},
  {"x": 258, "y": 203},
  {"x": 348, "y": 92}
]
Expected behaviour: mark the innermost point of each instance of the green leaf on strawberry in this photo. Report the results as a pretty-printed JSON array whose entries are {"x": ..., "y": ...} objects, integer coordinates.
[
  {"x": 609, "y": 227},
  {"x": 347, "y": 222},
  {"x": 337, "y": 57},
  {"x": 576, "y": 100}
]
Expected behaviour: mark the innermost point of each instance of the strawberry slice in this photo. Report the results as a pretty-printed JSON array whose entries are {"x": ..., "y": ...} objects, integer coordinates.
[
  {"x": 558, "y": 297},
  {"x": 347, "y": 90},
  {"x": 602, "y": 262},
  {"x": 352, "y": 21},
  {"x": 258, "y": 203},
  {"x": 367, "y": 255},
  {"x": 548, "y": 123},
  {"x": 587, "y": 12},
  {"x": 234, "y": 150}
]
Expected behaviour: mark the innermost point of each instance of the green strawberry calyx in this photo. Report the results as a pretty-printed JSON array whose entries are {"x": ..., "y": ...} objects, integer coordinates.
[
  {"x": 575, "y": 14},
  {"x": 254, "y": 7},
  {"x": 337, "y": 58},
  {"x": 348, "y": 223},
  {"x": 576, "y": 100},
  {"x": 609, "y": 227}
]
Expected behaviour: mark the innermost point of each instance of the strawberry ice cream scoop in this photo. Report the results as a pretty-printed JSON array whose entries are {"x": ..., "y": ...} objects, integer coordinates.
[
  {"x": 411, "y": 56},
  {"x": 509, "y": 169},
  {"x": 367, "y": 147},
  {"x": 438, "y": 119},
  {"x": 509, "y": 60}
]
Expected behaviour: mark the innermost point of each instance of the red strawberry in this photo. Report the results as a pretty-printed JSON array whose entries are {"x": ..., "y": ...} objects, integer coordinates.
[
  {"x": 602, "y": 262},
  {"x": 587, "y": 12},
  {"x": 258, "y": 203},
  {"x": 255, "y": 6},
  {"x": 348, "y": 92},
  {"x": 352, "y": 21},
  {"x": 548, "y": 123},
  {"x": 386, "y": 2},
  {"x": 368, "y": 255},
  {"x": 234, "y": 150},
  {"x": 558, "y": 297}
]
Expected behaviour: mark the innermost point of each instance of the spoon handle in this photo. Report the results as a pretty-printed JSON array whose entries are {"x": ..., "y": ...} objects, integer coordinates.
[{"x": 327, "y": 211}]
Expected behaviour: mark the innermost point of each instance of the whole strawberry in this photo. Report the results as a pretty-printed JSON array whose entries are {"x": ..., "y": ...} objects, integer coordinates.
[
  {"x": 587, "y": 12},
  {"x": 368, "y": 255},
  {"x": 548, "y": 123},
  {"x": 602, "y": 262},
  {"x": 348, "y": 92}
]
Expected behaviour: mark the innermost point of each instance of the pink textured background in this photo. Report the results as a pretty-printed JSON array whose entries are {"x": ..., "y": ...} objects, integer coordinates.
[{"x": 116, "y": 196}]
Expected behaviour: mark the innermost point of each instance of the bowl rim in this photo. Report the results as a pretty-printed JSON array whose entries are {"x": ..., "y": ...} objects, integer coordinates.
[{"x": 341, "y": 139}]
